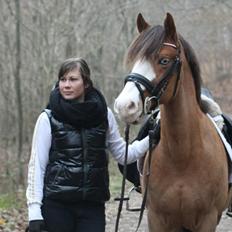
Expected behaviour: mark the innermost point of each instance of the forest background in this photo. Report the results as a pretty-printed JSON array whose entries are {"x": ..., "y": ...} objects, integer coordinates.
[{"x": 37, "y": 35}]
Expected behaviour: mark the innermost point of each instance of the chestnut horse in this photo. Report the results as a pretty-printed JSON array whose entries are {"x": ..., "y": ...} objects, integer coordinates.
[{"x": 188, "y": 181}]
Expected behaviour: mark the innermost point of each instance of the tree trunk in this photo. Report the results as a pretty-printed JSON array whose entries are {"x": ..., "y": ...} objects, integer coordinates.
[{"x": 18, "y": 93}]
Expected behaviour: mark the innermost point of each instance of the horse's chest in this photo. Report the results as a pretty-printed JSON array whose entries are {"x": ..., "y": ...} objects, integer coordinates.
[{"x": 176, "y": 197}]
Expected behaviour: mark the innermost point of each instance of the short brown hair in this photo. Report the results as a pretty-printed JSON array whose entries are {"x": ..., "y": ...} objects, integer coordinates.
[{"x": 73, "y": 63}]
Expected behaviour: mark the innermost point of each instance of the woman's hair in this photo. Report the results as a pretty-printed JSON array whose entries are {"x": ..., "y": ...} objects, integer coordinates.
[{"x": 73, "y": 63}]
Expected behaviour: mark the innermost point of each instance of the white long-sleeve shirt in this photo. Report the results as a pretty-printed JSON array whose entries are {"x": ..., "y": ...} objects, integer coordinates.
[{"x": 41, "y": 144}]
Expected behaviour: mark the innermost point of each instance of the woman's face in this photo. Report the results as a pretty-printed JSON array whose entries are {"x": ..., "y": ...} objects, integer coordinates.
[{"x": 71, "y": 85}]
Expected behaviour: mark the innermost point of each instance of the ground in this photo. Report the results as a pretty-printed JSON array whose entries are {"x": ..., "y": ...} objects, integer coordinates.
[
  {"x": 15, "y": 220},
  {"x": 129, "y": 220}
]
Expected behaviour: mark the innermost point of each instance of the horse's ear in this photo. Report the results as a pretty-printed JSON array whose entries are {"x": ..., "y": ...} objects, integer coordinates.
[
  {"x": 141, "y": 23},
  {"x": 170, "y": 29}
]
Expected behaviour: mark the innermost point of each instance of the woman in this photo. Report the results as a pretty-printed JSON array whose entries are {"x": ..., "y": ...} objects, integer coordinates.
[{"x": 68, "y": 181}]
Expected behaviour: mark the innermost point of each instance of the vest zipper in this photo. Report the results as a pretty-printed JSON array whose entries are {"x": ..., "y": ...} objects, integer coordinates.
[{"x": 85, "y": 165}]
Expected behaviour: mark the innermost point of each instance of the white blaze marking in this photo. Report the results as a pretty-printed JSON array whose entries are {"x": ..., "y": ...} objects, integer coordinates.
[
  {"x": 128, "y": 104},
  {"x": 144, "y": 68}
]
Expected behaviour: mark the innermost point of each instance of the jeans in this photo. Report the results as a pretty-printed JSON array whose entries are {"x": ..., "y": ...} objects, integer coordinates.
[{"x": 77, "y": 217}]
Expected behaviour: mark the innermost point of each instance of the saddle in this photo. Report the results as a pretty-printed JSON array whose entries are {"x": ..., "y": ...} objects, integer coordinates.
[{"x": 227, "y": 128}]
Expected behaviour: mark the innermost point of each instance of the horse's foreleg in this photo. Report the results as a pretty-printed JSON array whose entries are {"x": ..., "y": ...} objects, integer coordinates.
[
  {"x": 156, "y": 225},
  {"x": 209, "y": 222}
]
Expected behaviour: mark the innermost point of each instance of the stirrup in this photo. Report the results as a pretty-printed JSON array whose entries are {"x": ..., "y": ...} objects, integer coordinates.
[
  {"x": 133, "y": 189},
  {"x": 229, "y": 213},
  {"x": 229, "y": 210}
]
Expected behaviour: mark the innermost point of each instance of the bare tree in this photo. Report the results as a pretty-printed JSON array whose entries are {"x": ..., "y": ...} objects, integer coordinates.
[{"x": 19, "y": 105}]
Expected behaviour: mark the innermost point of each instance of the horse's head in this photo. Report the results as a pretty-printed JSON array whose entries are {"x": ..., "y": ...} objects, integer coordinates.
[{"x": 155, "y": 59}]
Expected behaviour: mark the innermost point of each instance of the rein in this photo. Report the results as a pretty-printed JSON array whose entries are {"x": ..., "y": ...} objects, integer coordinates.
[
  {"x": 153, "y": 139},
  {"x": 122, "y": 198}
]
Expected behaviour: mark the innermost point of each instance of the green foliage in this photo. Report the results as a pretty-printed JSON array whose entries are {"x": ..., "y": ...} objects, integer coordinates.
[
  {"x": 12, "y": 200},
  {"x": 7, "y": 201}
]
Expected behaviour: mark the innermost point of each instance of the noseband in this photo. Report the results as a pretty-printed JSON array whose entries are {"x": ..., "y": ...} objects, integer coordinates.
[{"x": 155, "y": 92}]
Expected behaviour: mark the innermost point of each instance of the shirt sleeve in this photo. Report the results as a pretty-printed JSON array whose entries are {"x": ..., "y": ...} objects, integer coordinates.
[
  {"x": 117, "y": 145},
  {"x": 41, "y": 143}
]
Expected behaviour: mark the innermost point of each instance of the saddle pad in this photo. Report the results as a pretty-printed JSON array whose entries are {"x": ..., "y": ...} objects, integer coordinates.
[{"x": 226, "y": 144}]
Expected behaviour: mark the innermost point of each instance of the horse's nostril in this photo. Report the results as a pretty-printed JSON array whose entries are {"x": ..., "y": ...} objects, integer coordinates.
[{"x": 131, "y": 105}]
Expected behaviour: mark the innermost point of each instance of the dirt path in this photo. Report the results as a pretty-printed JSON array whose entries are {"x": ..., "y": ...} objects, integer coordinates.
[
  {"x": 16, "y": 220},
  {"x": 129, "y": 220}
]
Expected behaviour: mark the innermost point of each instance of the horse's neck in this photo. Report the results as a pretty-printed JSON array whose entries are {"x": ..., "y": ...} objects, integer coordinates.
[{"x": 180, "y": 122}]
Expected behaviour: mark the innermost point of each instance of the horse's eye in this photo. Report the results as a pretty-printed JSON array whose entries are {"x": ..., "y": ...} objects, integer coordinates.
[{"x": 164, "y": 61}]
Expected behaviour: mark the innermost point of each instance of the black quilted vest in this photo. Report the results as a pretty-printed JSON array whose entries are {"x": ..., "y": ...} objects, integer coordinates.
[{"x": 78, "y": 164}]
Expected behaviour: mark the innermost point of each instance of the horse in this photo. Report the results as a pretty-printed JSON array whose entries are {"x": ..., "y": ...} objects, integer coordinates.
[{"x": 187, "y": 189}]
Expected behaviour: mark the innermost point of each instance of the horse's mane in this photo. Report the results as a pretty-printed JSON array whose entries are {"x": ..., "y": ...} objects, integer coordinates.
[{"x": 147, "y": 45}]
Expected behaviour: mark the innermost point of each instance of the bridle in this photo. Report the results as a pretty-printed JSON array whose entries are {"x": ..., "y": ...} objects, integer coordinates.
[{"x": 155, "y": 92}]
